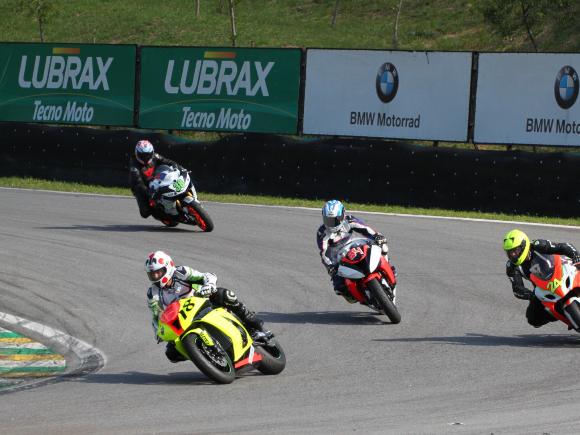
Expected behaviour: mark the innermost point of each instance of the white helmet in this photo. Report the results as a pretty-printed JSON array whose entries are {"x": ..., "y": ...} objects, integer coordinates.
[
  {"x": 144, "y": 151},
  {"x": 159, "y": 267}
]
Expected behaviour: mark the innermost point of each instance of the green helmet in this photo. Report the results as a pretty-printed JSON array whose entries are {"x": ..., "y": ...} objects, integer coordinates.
[{"x": 517, "y": 246}]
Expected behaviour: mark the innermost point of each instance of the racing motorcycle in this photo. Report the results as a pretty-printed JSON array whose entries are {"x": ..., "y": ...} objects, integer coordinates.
[
  {"x": 557, "y": 285},
  {"x": 217, "y": 342},
  {"x": 368, "y": 275},
  {"x": 172, "y": 191}
]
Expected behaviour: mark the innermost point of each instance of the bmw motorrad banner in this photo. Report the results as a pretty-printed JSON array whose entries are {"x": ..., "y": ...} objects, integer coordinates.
[
  {"x": 389, "y": 94},
  {"x": 220, "y": 89},
  {"x": 67, "y": 83},
  {"x": 528, "y": 99}
]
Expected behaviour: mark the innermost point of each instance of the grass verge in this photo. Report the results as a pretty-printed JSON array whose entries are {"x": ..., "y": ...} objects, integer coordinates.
[{"x": 34, "y": 183}]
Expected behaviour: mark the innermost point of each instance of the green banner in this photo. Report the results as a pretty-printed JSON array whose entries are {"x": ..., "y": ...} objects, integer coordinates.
[
  {"x": 220, "y": 89},
  {"x": 67, "y": 83}
]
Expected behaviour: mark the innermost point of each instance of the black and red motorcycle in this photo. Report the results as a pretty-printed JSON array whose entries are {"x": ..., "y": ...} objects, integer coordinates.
[{"x": 369, "y": 277}]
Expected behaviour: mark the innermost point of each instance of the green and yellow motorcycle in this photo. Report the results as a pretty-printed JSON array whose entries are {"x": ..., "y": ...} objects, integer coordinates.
[{"x": 217, "y": 342}]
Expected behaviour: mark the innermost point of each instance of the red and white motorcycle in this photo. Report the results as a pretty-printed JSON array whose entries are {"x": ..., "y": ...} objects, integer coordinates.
[
  {"x": 557, "y": 286},
  {"x": 369, "y": 277}
]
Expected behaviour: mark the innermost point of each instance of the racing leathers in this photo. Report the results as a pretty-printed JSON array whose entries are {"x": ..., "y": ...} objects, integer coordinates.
[
  {"x": 327, "y": 239},
  {"x": 140, "y": 176},
  {"x": 535, "y": 313},
  {"x": 187, "y": 282}
]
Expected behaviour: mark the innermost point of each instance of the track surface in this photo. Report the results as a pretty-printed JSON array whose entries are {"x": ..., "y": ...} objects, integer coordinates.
[{"x": 462, "y": 354}]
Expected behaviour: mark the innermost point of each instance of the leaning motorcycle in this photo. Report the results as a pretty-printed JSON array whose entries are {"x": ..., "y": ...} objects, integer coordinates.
[
  {"x": 217, "y": 342},
  {"x": 557, "y": 286},
  {"x": 368, "y": 275},
  {"x": 172, "y": 190}
]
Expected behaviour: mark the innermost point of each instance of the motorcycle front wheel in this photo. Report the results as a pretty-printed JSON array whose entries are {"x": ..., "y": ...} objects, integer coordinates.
[
  {"x": 213, "y": 361},
  {"x": 201, "y": 216},
  {"x": 383, "y": 300}
]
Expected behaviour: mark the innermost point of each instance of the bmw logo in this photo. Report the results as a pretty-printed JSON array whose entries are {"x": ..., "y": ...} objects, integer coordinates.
[
  {"x": 566, "y": 87},
  {"x": 388, "y": 82}
]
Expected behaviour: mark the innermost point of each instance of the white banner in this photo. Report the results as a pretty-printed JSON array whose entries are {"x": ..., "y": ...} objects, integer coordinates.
[
  {"x": 390, "y": 94},
  {"x": 528, "y": 99}
]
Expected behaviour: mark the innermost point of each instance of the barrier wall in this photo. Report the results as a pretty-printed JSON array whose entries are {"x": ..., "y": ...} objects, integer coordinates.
[
  {"x": 348, "y": 169},
  {"x": 505, "y": 98}
]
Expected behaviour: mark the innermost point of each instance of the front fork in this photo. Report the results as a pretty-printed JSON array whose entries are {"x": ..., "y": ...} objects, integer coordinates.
[{"x": 189, "y": 198}]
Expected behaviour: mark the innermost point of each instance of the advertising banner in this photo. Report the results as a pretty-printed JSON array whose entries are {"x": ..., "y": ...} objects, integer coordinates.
[
  {"x": 67, "y": 83},
  {"x": 220, "y": 89},
  {"x": 528, "y": 98},
  {"x": 390, "y": 94}
]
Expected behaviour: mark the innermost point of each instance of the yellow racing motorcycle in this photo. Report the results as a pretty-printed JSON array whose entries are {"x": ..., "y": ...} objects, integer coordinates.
[{"x": 217, "y": 342}]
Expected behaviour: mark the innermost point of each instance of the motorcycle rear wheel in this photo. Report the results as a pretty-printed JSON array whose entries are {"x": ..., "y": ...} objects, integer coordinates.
[
  {"x": 384, "y": 301},
  {"x": 204, "y": 222},
  {"x": 213, "y": 361},
  {"x": 273, "y": 358}
]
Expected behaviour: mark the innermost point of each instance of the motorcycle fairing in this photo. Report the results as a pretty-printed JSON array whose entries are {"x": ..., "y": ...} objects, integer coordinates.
[
  {"x": 253, "y": 357},
  {"x": 561, "y": 281},
  {"x": 231, "y": 327},
  {"x": 185, "y": 316}
]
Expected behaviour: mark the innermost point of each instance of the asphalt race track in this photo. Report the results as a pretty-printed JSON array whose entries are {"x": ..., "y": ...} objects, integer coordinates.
[{"x": 463, "y": 359}]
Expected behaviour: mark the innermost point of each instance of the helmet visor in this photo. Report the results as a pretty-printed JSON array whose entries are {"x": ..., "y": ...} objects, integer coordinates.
[
  {"x": 145, "y": 157},
  {"x": 156, "y": 275},
  {"x": 332, "y": 221},
  {"x": 514, "y": 254}
]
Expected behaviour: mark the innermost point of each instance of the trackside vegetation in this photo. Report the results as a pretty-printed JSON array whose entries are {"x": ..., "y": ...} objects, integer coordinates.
[{"x": 457, "y": 25}]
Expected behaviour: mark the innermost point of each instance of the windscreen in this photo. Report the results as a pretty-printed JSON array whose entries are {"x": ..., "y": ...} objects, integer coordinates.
[
  {"x": 542, "y": 266},
  {"x": 339, "y": 250}
]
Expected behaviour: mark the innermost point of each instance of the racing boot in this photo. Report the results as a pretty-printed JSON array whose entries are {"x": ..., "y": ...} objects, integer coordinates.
[
  {"x": 254, "y": 324},
  {"x": 172, "y": 354},
  {"x": 166, "y": 219},
  {"x": 347, "y": 296},
  {"x": 341, "y": 289}
]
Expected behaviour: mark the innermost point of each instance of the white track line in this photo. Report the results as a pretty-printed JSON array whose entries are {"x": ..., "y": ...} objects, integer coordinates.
[{"x": 419, "y": 216}]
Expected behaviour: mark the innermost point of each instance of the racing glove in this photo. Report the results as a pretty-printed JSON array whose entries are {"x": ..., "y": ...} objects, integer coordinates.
[
  {"x": 206, "y": 291},
  {"x": 380, "y": 239}
]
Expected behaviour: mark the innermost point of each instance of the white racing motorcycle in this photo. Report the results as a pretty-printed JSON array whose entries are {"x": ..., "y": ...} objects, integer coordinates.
[{"x": 172, "y": 191}]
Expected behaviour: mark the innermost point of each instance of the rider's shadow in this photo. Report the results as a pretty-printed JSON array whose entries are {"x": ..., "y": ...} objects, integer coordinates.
[
  {"x": 528, "y": 340},
  {"x": 141, "y": 378},
  {"x": 325, "y": 318},
  {"x": 121, "y": 228}
]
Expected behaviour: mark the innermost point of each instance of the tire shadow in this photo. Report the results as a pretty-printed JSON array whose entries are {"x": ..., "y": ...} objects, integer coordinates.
[
  {"x": 528, "y": 340},
  {"x": 125, "y": 228},
  {"x": 326, "y": 318},
  {"x": 141, "y": 378}
]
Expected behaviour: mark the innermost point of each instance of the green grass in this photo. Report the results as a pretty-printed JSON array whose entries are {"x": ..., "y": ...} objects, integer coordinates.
[
  {"x": 423, "y": 24},
  {"x": 33, "y": 183}
]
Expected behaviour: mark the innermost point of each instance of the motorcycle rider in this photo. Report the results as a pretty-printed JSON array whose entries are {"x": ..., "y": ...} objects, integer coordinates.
[
  {"x": 142, "y": 167},
  {"x": 336, "y": 226},
  {"x": 520, "y": 251},
  {"x": 170, "y": 283}
]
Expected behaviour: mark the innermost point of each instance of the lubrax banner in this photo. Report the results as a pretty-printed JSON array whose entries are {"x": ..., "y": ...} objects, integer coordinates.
[
  {"x": 220, "y": 89},
  {"x": 67, "y": 83},
  {"x": 528, "y": 99},
  {"x": 388, "y": 94}
]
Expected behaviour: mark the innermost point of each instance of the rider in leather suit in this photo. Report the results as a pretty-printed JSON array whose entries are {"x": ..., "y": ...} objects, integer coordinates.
[
  {"x": 520, "y": 251},
  {"x": 336, "y": 226},
  {"x": 141, "y": 168},
  {"x": 170, "y": 283}
]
